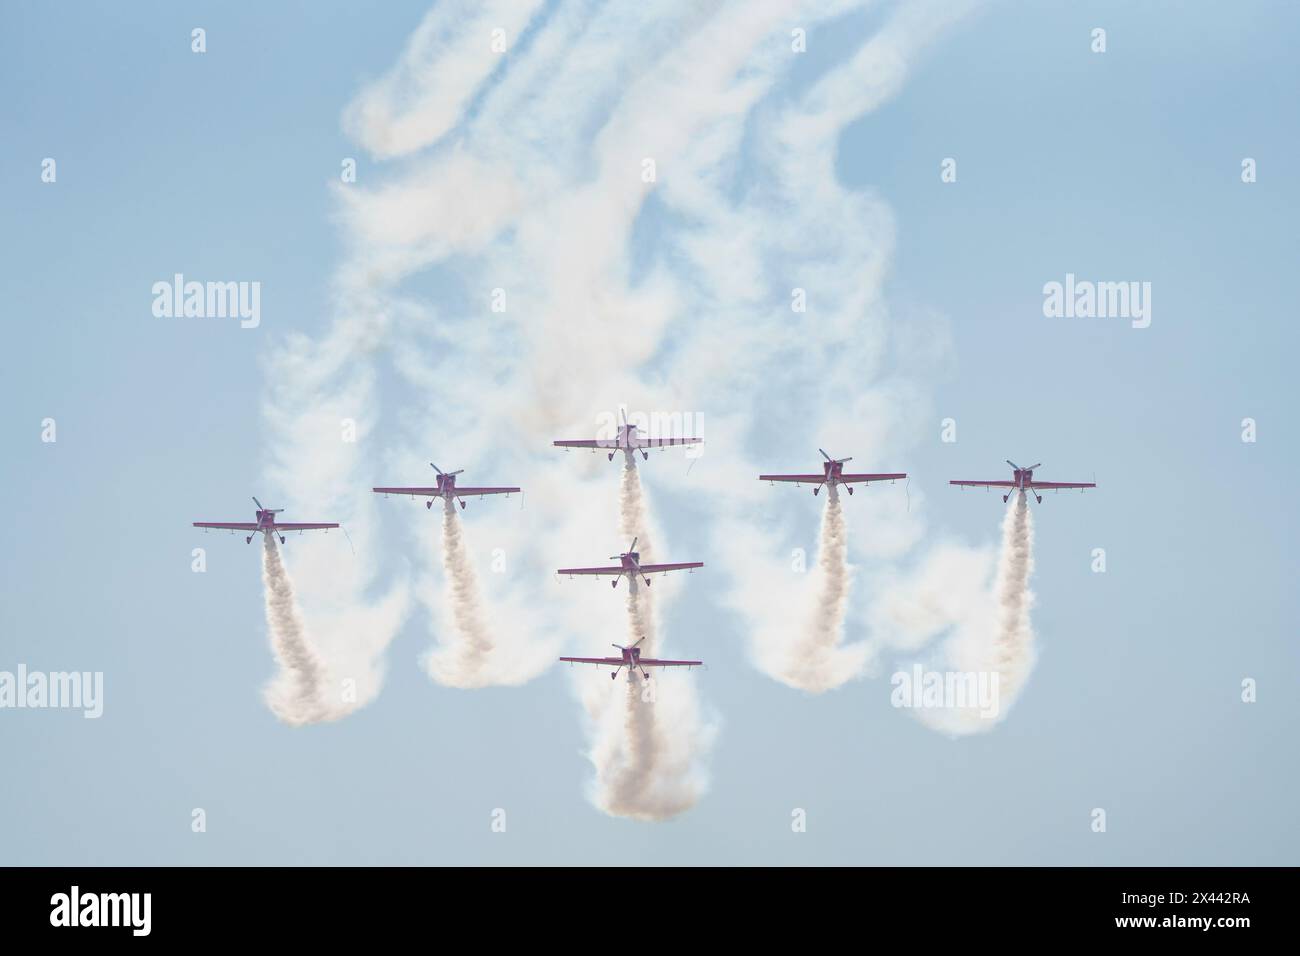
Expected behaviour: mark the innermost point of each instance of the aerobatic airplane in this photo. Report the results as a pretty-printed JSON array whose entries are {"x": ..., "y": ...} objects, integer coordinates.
[
  {"x": 1023, "y": 480},
  {"x": 832, "y": 475},
  {"x": 629, "y": 438},
  {"x": 631, "y": 659},
  {"x": 446, "y": 489},
  {"x": 629, "y": 564},
  {"x": 266, "y": 524}
]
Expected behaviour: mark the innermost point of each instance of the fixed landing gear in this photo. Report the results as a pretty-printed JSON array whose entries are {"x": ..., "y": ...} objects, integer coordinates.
[
  {"x": 282, "y": 539},
  {"x": 611, "y": 456},
  {"x": 850, "y": 487},
  {"x": 645, "y": 455},
  {"x": 462, "y": 505},
  {"x": 248, "y": 540},
  {"x": 429, "y": 504}
]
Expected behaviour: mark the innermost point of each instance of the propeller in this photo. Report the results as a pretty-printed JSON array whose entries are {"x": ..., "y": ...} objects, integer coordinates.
[
  {"x": 1013, "y": 464},
  {"x": 1032, "y": 467},
  {"x": 261, "y": 507},
  {"x": 834, "y": 461},
  {"x": 459, "y": 471},
  {"x": 631, "y": 549},
  {"x": 622, "y": 414}
]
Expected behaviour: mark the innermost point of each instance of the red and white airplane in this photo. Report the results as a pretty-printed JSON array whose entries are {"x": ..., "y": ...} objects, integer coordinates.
[
  {"x": 266, "y": 524},
  {"x": 629, "y": 438},
  {"x": 1023, "y": 480},
  {"x": 832, "y": 475},
  {"x": 445, "y": 489},
  {"x": 631, "y": 659},
  {"x": 629, "y": 564}
]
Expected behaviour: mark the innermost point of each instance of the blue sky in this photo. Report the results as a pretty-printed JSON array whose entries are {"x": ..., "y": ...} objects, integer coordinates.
[{"x": 1115, "y": 166}]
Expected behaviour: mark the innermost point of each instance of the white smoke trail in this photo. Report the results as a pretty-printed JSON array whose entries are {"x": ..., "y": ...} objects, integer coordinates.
[
  {"x": 1003, "y": 648},
  {"x": 1013, "y": 651},
  {"x": 633, "y": 524},
  {"x": 295, "y": 694},
  {"x": 650, "y": 742},
  {"x": 465, "y": 661},
  {"x": 820, "y": 661},
  {"x": 832, "y": 558},
  {"x": 352, "y": 608}
]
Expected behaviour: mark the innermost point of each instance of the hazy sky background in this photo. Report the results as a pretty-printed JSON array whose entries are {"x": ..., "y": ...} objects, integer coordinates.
[{"x": 1118, "y": 166}]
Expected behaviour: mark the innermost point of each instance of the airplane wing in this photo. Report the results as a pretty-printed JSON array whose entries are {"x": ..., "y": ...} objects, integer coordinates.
[
  {"x": 652, "y": 662},
  {"x": 1062, "y": 484},
  {"x": 811, "y": 479},
  {"x": 422, "y": 492},
  {"x": 232, "y": 525},
  {"x": 588, "y": 443},
  {"x": 661, "y": 568},
  {"x": 986, "y": 484},
  {"x": 845, "y": 479},
  {"x": 304, "y": 525},
  {"x": 612, "y": 661},
  {"x": 596, "y": 571},
  {"x": 483, "y": 491},
  {"x": 664, "y": 442}
]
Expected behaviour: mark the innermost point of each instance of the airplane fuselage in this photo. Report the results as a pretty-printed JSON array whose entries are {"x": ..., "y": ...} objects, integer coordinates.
[
  {"x": 1024, "y": 483},
  {"x": 628, "y": 442},
  {"x": 832, "y": 472},
  {"x": 266, "y": 525},
  {"x": 630, "y": 562},
  {"x": 446, "y": 490}
]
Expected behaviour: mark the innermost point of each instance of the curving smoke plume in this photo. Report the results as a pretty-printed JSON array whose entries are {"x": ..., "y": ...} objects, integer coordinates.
[
  {"x": 295, "y": 693},
  {"x": 500, "y": 174},
  {"x": 650, "y": 742},
  {"x": 1000, "y": 653},
  {"x": 464, "y": 662}
]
